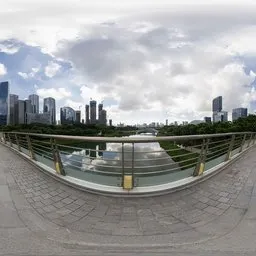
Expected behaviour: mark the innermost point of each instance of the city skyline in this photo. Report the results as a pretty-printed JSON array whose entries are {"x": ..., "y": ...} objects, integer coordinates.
[
  {"x": 27, "y": 111},
  {"x": 165, "y": 62}
]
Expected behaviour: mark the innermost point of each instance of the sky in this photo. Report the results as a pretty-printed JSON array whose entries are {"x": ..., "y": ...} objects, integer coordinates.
[{"x": 147, "y": 61}]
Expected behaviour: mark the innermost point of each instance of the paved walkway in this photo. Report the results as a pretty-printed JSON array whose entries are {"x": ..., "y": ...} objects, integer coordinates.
[{"x": 40, "y": 216}]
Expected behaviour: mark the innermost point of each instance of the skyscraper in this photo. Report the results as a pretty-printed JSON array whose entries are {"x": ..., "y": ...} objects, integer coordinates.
[
  {"x": 13, "y": 108},
  {"x": 103, "y": 117},
  {"x": 87, "y": 114},
  {"x": 34, "y": 102},
  {"x": 93, "y": 107},
  {"x": 78, "y": 116},
  {"x": 67, "y": 115},
  {"x": 49, "y": 106},
  {"x": 21, "y": 107},
  {"x": 217, "y": 104},
  {"x": 239, "y": 112},
  {"x": 28, "y": 109},
  {"x": 4, "y": 95}
]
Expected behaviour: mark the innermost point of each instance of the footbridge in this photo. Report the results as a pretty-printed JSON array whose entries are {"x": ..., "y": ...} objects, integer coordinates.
[{"x": 146, "y": 195}]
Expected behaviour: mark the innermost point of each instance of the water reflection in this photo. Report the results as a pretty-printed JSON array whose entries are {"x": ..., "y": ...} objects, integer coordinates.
[{"x": 107, "y": 158}]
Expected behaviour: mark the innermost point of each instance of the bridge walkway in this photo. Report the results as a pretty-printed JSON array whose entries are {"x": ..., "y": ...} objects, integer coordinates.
[{"x": 39, "y": 215}]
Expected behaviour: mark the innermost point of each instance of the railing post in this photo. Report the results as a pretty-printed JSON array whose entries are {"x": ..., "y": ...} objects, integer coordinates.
[
  {"x": 133, "y": 164},
  {"x": 230, "y": 148},
  {"x": 250, "y": 140},
  {"x": 9, "y": 138},
  {"x": 254, "y": 138},
  {"x": 4, "y": 138},
  {"x": 242, "y": 144},
  {"x": 56, "y": 158},
  {"x": 17, "y": 141},
  {"x": 30, "y": 148},
  {"x": 202, "y": 158},
  {"x": 127, "y": 179}
]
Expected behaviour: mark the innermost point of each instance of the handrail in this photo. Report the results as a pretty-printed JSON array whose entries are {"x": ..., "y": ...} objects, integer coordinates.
[
  {"x": 120, "y": 164},
  {"x": 131, "y": 139}
]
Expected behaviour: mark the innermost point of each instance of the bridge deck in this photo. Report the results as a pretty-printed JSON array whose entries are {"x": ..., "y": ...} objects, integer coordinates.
[{"x": 41, "y": 216}]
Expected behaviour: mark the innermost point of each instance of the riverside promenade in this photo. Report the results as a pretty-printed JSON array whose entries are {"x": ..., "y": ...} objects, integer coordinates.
[{"x": 41, "y": 216}]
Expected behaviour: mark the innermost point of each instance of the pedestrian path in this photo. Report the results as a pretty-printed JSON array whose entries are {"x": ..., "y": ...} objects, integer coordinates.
[{"x": 43, "y": 216}]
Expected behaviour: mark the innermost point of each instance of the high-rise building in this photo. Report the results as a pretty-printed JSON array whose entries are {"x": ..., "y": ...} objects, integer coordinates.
[
  {"x": 78, "y": 116},
  {"x": 100, "y": 107},
  {"x": 34, "y": 102},
  {"x": 93, "y": 107},
  {"x": 110, "y": 122},
  {"x": 166, "y": 122},
  {"x": 40, "y": 118},
  {"x": 217, "y": 104},
  {"x": 67, "y": 115},
  {"x": 208, "y": 119},
  {"x": 4, "y": 96},
  {"x": 13, "y": 114},
  {"x": 49, "y": 106},
  {"x": 28, "y": 109},
  {"x": 221, "y": 116},
  {"x": 103, "y": 117},
  {"x": 22, "y": 113},
  {"x": 87, "y": 114},
  {"x": 239, "y": 112}
]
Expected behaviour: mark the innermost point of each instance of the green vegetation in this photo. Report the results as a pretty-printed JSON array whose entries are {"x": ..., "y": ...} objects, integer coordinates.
[
  {"x": 215, "y": 149},
  {"x": 72, "y": 129},
  {"x": 247, "y": 124}
]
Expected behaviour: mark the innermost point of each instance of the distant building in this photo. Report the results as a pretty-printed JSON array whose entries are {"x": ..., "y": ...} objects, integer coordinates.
[
  {"x": 221, "y": 116},
  {"x": 103, "y": 117},
  {"x": 4, "y": 96},
  {"x": 50, "y": 107},
  {"x": 239, "y": 112},
  {"x": 217, "y": 104},
  {"x": 34, "y": 102},
  {"x": 42, "y": 118},
  {"x": 110, "y": 122},
  {"x": 78, "y": 116},
  {"x": 87, "y": 114},
  {"x": 67, "y": 115},
  {"x": 166, "y": 122},
  {"x": 195, "y": 122},
  {"x": 21, "y": 111},
  {"x": 28, "y": 106},
  {"x": 13, "y": 108},
  {"x": 93, "y": 106},
  {"x": 208, "y": 119}
]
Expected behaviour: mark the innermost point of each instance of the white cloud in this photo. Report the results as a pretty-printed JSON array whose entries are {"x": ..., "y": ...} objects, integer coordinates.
[
  {"x": 57, "y": 93},
  {"x": 23, "y": 75},
  {"x": 8, "y": 48},
  {"x": 52, "y": 69},
  {"x": 3, "y": 70},
  {"x": 156, "y": 64},
  {"x": 28, "y": 75}
]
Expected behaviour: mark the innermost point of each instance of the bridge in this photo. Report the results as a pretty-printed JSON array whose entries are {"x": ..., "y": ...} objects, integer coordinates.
[{"x": 210, "y": 211}]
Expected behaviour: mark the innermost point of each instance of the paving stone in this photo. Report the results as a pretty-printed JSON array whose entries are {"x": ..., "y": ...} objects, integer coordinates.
[
  {"x": 67, "y": 200},
  {"x": 223, "y": 199}
]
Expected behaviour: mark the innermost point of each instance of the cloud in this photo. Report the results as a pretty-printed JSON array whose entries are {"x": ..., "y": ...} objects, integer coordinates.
[
  {"x": 57, "y": 93},
  {"x": 3, "y": 70},
  {"x": 162, "y": 68},
  {"x": 52, "y": 69},
  {"x": 156, "y": 64},
  {"x": 28, "y": 75},
  {"x": 9, "y": 48}
]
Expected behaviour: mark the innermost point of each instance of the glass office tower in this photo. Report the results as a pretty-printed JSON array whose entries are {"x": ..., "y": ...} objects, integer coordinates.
[{"x": 4, "y": 96}]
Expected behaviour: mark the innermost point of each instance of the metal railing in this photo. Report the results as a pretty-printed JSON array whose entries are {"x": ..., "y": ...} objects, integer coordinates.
[{"x": 128, "y": 162}]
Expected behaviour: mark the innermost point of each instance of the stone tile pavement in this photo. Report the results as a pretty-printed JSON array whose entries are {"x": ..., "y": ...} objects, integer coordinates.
[{"x": 205, "y": 211}]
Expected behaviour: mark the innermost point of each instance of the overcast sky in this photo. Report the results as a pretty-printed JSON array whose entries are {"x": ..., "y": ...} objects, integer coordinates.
[{"x": 146, "y": 60}]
